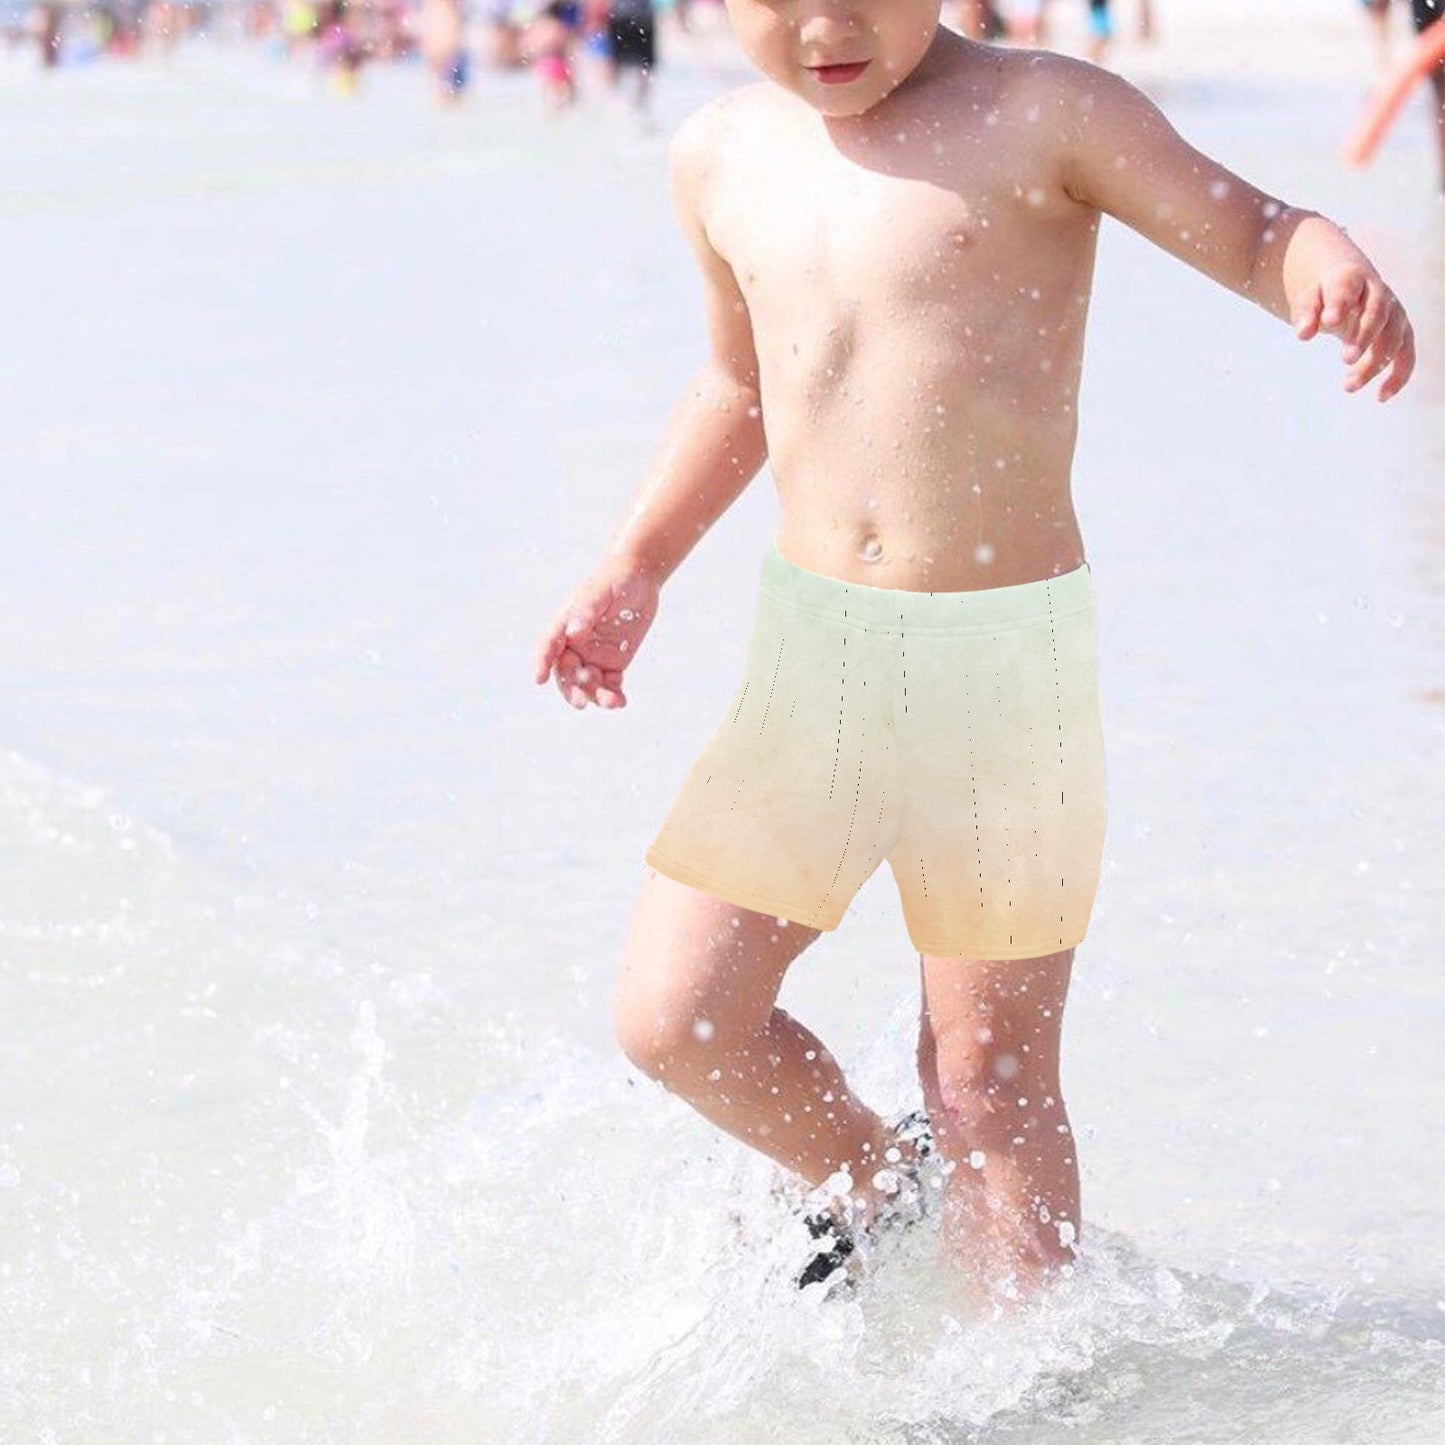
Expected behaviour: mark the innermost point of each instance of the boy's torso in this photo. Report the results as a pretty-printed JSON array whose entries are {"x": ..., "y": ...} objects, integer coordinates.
[{"x": 917, "y": 282}]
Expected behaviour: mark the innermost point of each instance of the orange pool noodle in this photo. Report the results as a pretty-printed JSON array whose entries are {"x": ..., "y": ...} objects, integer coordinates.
[{"x": 1427, "y": 52}]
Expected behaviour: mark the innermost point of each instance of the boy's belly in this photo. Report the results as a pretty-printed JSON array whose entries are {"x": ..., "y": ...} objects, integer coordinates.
[{"x": 971, "y": 507}]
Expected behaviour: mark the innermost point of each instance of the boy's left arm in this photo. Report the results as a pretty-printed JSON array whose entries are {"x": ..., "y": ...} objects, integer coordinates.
[{"x": 1122, "y": 156}]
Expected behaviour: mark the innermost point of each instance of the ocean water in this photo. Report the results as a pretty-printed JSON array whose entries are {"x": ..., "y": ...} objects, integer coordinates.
[{"x": 312, "y": 1126}]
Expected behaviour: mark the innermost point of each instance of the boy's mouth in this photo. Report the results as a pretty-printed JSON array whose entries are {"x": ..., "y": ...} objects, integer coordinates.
[{"x": 839, "y": 74}]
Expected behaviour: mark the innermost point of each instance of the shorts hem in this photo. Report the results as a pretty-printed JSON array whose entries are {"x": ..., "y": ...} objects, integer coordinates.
[
  {"x": 681, "y": 873},
  {"x": 992, "y": 954}
]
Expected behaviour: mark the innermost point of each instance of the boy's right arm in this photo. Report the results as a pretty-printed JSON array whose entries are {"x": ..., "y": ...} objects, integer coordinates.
[
  {"x": 714, "y": 444},
  {"x": 712, "y": 448}
]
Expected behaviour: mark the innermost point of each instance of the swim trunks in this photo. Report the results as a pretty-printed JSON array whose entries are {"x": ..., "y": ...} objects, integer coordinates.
[{"x": 956, "y": 734}]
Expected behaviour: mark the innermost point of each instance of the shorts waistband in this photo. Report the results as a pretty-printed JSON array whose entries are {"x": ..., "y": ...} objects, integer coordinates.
[{"x": 893, "y": 609}]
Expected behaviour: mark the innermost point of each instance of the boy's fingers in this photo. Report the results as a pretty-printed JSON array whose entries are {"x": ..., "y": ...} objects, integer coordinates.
[
  {"x": 1374, "y": 358},
  {"x": 1342, "y": 296},
  {"x": 1400, "y": 368},
  {"x": 1307, "y": 323},
  {"x": 572, "y": 622},
  {"x": 581, "y": 682},
  {"x": 548, "y": 653},
  {"x": 569, "y": 682},
  {"x": 1376, "y": 315}
]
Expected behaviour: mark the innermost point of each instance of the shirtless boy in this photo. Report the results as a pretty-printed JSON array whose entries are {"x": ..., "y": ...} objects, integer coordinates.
[{"x": 897, "y": 230}]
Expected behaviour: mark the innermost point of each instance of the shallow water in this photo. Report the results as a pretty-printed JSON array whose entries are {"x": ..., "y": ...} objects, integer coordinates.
[{"x": 311, "y": 902}]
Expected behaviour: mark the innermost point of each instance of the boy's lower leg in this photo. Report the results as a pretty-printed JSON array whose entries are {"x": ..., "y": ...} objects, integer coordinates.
[
  {"x": 1010, "y": 1217},
  {"x": 988, "y": 1062},
  {"x": 782, "y": 1092}
]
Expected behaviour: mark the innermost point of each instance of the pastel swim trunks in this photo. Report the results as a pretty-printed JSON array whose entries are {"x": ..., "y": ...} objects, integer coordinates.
[{"x": 955, "y": 734}]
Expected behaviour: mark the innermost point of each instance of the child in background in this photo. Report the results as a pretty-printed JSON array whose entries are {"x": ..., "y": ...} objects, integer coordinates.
[
  {"x": 504, "y": 36},
  {"x": 298, "y": 25},
  {"x": 896, "y": 230},
  {"x": 1026, "y": 22},
  {"x": 631, "y": 35},
  {"x": 979, "y": 19},
  {"x": 547, "y": 41},
  {"x": 337, "y": 47},
  {"x": 596, "y": 42},
  {"x": 1101, "y": 30},
  {"x": 441, "y": 37}
]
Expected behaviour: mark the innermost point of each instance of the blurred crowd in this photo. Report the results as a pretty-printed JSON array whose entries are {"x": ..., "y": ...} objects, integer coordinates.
[
  {"x": 340, "y": 37},
  {"x": 553, "y": 38}
]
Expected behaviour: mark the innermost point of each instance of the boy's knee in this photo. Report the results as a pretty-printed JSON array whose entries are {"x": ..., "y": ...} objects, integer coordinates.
[
  {"x": 666, "y": 1043},
  {"x": 990, "y": 1085}
]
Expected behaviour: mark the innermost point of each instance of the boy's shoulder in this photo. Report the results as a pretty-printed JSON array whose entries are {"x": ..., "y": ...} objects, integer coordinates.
[
  {"x": 708, "y": 134},
  {"x": 709, "y": 123},
  {"x": 1037, "y": 74}
]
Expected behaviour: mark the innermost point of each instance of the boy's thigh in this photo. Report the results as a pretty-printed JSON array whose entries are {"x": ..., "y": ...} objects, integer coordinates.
[{"x": 691, "y": 957}]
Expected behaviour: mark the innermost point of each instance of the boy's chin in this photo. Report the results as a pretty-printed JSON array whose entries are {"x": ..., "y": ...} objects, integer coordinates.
[
  {"x": 841, "y": 110},
  {"x": 839, "y": 107}
]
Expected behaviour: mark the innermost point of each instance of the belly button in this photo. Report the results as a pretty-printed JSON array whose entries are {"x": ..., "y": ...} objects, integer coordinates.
[{"x": 872, "y": 549}]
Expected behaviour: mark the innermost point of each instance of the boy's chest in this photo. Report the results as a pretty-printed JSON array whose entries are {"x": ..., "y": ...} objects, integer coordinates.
[{"x": 859, "y": 240}]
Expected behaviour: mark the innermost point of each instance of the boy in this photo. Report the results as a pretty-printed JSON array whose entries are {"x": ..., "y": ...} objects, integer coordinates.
[{"x": 896, "y": 229}]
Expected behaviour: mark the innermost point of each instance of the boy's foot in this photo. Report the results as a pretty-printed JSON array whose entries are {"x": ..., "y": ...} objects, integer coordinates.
[
  {"x": 835, "y": 1243},
  {"x": 841, "y": 1244}
]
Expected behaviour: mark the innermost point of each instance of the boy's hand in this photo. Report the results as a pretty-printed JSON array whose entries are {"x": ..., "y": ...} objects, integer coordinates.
[
  {"x": 1351, "y": 301},
  {"x": 597, "y": 633}
]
